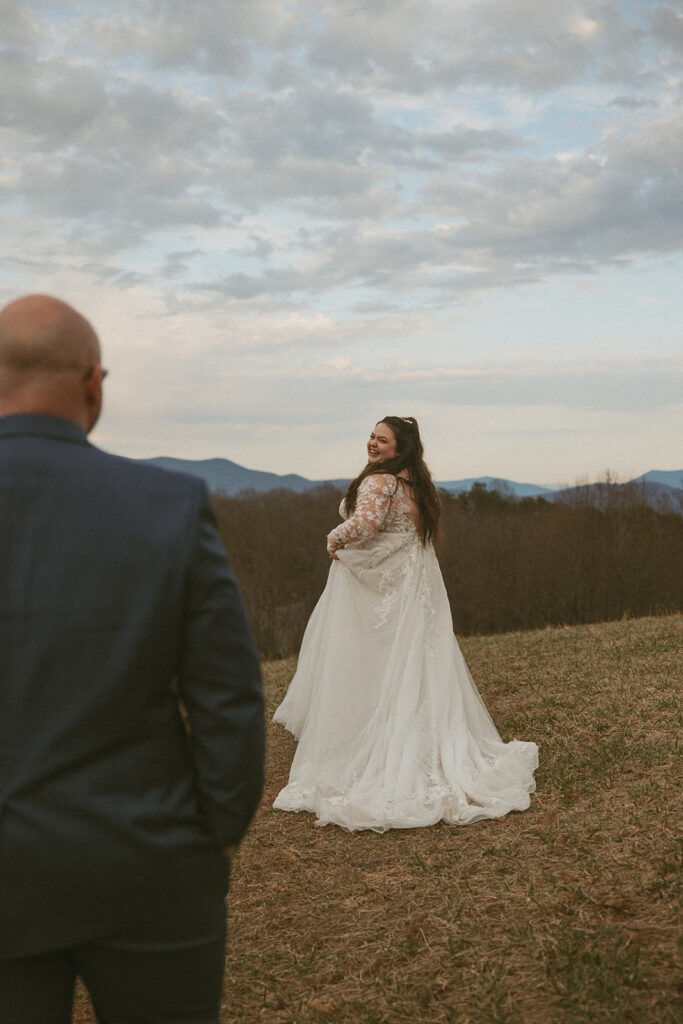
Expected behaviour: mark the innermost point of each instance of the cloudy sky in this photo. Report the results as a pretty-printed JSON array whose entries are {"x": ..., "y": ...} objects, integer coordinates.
[{"x": 287, "y": 219}]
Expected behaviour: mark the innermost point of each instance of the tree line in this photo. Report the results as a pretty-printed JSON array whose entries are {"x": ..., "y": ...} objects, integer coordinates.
[{"x": 601, "y": 552}]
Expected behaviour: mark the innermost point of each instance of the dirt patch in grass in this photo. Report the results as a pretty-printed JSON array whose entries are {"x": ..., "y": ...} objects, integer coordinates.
[{"x": 565, "y": 913}]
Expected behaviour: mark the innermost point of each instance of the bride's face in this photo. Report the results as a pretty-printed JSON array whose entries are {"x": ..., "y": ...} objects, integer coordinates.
[{"x": 381, "y": 444}]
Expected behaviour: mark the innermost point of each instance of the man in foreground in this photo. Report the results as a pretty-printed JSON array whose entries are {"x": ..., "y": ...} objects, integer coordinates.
[{"x": 131, "y": 718}]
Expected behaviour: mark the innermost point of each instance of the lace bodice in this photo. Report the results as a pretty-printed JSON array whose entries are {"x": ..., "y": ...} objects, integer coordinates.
[{"x": 383, "y": 505}]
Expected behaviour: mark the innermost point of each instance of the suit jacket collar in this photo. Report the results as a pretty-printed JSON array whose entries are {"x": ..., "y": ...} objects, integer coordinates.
[{"x": 35, "y": 425}]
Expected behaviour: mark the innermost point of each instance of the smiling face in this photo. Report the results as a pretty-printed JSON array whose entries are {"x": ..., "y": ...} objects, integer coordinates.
[{"x": 381, "y": 444}]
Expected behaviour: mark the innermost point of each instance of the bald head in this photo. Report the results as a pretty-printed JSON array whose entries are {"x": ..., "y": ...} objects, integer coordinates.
[
  {"x": 49, "y": 361},
  {"x": 41, "y": 333}
]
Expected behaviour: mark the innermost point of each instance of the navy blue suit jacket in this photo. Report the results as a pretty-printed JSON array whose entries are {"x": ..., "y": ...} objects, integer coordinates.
[{"x": 131, "y": 714}]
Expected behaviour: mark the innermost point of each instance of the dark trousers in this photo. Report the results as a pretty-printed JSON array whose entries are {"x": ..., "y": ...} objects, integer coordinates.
[{"x": 131, "y": 981}]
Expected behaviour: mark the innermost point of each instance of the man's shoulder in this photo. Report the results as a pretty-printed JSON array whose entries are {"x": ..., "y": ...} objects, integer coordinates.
[{"x": 151, "y": 474}]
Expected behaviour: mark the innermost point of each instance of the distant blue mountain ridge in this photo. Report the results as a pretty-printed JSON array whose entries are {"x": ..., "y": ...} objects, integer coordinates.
[
  {"x": 668, "y": 477},
  {"x": 226, "y": 477},
  {"x": 494, "y": 483}
]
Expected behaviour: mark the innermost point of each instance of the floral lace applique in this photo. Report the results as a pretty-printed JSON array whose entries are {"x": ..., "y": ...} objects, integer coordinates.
[
  {"x": 373, "y": 503},
  {"x": 384, "y": 517},
  {"x": 392, "y": 582}
]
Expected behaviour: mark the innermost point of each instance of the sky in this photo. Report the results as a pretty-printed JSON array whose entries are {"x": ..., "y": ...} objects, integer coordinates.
[{"x": 288, "y": 219}]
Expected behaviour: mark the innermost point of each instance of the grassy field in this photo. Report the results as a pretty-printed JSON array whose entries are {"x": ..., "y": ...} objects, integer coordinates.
[{"x": 566, "y": 913}]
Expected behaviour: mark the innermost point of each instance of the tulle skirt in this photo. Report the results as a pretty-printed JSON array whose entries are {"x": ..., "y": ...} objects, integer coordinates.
[{"x": 392, "y": 730}]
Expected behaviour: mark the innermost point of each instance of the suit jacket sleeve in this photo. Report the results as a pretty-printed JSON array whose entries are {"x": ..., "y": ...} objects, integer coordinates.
[{"x": 220, "y": 686}]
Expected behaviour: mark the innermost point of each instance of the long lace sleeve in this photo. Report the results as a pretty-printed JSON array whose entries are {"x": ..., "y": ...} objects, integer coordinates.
[{"x": 372, "y": 504}]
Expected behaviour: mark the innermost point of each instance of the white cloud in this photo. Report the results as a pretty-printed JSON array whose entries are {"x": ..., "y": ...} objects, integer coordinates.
[
  {"x": 19, "y": 26},
  {"x": 667, "y": 26}
]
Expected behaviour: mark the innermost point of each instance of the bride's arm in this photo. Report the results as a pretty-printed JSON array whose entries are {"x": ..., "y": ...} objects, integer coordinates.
[{"x": 372, "y": 504}]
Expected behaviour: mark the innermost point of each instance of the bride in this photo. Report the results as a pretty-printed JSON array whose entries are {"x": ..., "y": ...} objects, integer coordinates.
[{"x": 392, "y": 731}]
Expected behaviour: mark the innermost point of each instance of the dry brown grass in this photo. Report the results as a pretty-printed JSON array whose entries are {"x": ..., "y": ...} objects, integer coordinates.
[{"x": 566, "y": 913}]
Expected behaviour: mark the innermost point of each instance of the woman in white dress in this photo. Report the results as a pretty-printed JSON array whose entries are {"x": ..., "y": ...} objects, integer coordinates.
[{"x": 392, "y": 731}]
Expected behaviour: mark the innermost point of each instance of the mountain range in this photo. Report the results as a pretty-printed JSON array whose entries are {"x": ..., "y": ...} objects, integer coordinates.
[{"x": 229, "y": 478}]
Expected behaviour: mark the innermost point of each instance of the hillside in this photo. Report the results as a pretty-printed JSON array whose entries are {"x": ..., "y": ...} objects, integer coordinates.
[
  {"x": 231, "y": 479},
  {"x": 671, "y": 478},
  {"x": 493, "y": 483},
  {"x": 562, "y": 915}
]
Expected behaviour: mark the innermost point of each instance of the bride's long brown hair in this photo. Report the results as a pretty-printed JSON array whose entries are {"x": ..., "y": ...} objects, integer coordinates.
[{"x": 409, "y": 457}]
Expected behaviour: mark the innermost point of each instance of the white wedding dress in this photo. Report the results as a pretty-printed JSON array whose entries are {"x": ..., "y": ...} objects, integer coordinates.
[{"x": 392, "y": 731}]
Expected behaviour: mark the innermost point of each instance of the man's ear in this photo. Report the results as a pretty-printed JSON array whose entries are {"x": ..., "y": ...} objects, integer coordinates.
[
  {"x": 92, "y": 396},
  {"x": 93, "y": 388}
]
